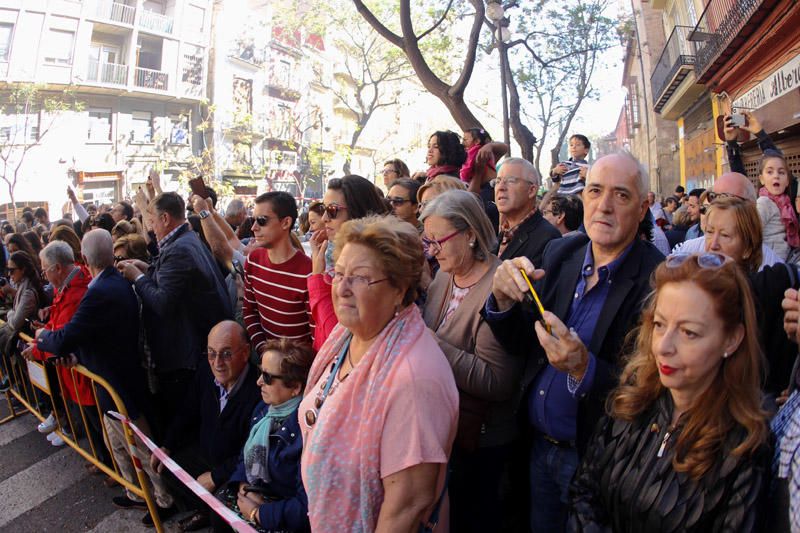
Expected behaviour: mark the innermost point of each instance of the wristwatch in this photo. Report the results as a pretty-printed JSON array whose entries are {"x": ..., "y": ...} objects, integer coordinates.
[{"x": 204, "y": 214}]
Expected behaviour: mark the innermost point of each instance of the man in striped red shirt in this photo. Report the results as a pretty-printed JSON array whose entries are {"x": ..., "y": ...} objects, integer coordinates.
[{"x": 275, "y": 276}]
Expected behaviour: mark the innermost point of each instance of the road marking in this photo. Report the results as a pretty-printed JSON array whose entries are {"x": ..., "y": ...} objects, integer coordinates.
[
  {"x": 14, "y": 429},
  {"x": 33, "y": 486}
]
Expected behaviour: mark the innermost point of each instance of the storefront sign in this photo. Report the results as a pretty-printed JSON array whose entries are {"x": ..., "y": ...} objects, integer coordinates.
[{"x": 780, "y": 82}]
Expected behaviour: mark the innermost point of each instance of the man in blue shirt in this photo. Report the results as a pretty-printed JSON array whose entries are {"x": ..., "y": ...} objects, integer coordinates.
[{"x": 593, "y": 287}]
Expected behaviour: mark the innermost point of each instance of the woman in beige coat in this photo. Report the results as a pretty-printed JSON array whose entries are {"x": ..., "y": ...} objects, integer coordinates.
[{"x": 460, "y": 236}]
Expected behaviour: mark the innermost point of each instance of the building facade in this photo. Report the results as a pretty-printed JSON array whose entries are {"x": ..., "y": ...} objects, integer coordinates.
[{"x": 138, "y": 69}]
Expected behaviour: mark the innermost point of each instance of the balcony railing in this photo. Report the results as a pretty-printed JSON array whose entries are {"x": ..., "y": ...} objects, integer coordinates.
[
  {"x": 151, "y": 79},
  {"x": 676, "y": 61},
  {"x": 116, "y": 11},
  {"x": 108, "y": 73},
  {"x": 720, "y": 31},
  {"x": 156, "y": 22}
]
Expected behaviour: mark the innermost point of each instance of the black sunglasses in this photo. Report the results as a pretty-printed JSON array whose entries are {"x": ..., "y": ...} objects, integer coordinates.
[
  {"x": 267, "y": 377},
  {"x": 396, "y": 200},
  {"x": 118, "y": 258},
  {"x": 262, "y": 220},
  {"x": 12, "y": 269}
]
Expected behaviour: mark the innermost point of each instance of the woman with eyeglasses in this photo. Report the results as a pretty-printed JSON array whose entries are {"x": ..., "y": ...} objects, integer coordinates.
[
  {"x": 379, "y": 415},
  {"x": 266, "y": 487},
  {"x": 459, "y": 235},
  {"x": 17, "y": 243},
  {"x": 347, "y": 198},
  {"x": 393, "y": 170},
  {"x": 684, "y": 446}
]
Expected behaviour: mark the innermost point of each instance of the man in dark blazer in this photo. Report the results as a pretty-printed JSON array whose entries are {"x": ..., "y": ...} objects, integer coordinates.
[
  {"x": 183, "y": 296},
  {"x": 523, "y": 230},
  {"x": 593, "y": 288},
  {"x": 104, "y": 333}
]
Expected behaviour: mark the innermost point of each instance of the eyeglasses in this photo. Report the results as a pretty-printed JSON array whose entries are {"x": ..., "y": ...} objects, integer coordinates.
[
  {"x": 225, "y": 355},
  {"x": 12, "y": 269},
  {"x": 705, "y": 208},
  {"x": 714, "y": 195},
  {"x": 387, "y": 171},
  {"x": 510, "y": 181},
  {"x": 263, "y": 220},
  {"x": 434, "y": 246},
  {"x": 332, "y": 210},
  {"x": 708, "y": 260},
  {"x": 118, "y": 258},
  {"x": 267, "y": 378},
  {"x": 397, "y": 201},
  {"x": 356, "y": 283}
]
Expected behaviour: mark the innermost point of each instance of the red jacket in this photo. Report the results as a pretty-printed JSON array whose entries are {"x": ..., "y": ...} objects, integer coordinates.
[{"x": 65, "y": 303}]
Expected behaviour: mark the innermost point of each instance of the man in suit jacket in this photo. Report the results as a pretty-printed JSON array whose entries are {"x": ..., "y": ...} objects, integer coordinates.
[
  {"x": 183, "y": 296},
  {"x": 523, "y": 230},
  {"x": 593, "y": 287},
  {"x": 104, "y": 333}
]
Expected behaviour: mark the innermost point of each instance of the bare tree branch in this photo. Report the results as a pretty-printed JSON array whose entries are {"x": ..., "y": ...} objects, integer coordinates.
[{"x": 438, "y": 22}]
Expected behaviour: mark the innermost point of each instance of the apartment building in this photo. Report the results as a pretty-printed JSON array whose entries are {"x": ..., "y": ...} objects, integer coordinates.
[{"x": 139, "y": 68}]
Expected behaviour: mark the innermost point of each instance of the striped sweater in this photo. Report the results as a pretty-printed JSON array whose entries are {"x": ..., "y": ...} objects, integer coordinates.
[{"x": 276, "y": 298}]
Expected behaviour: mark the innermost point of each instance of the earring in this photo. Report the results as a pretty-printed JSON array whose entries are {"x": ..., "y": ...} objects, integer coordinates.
[
  {"x": 725, "y": 355},
  {"x": 472, "y": 244}
]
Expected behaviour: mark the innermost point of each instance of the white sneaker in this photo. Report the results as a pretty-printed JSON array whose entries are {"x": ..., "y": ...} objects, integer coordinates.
[
  {"x": 51, "y": 436},
  {"x": 48, "y": 426},
  {"x": 57, "y": 441}
]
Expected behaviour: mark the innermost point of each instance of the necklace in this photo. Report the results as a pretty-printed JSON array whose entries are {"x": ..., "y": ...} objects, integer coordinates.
[{"x": 312, "y": 414}]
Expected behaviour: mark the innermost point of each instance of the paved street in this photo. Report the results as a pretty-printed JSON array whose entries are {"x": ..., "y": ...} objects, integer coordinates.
[{"x": 44, "y": 489}]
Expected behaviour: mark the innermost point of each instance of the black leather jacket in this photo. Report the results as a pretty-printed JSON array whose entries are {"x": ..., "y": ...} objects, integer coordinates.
[{"x": 623, "y": 485}]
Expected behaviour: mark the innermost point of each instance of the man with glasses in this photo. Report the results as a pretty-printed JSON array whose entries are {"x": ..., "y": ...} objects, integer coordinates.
[
  {"x": 523, "y": 230},
  {"x": 592, "y": 288},
  {"x": 729, "y": 184},
  {"x": 276, "y": 276},
  {"x": 207, "y": 435}
]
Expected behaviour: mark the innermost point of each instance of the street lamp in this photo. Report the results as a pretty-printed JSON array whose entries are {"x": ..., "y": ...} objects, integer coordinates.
[{"x": 497, "y": 14}]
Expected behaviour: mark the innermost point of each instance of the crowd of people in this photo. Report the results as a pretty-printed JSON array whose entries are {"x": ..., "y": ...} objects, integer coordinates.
[{"x": 453, "y": 349}]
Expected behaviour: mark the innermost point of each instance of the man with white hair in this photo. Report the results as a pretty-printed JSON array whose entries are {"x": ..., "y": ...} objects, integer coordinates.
[
  {"x": 730, "y": 184},
  {"x": 104, "y": 333},
  {"x": 70, "y": 283},
  {"x": 523, "y": 230},
  {"x": 235, "y": 213},
  {"x": 593, "y": 287}
]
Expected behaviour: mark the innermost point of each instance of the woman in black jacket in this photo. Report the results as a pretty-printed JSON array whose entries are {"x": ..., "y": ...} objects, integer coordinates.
[{"x": 685, "y": 445}]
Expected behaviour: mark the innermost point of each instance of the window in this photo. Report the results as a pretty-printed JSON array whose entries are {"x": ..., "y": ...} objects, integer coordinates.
[
  {"x": 6, "y": 32},
  {"x": 179, "y": 129},
  {"x": 19, "y": 128},
  {"x": 194, "y": 19},
  {"x": 58, "y": 47},
  {"x": 283, "y": 73},
  {"x": 242, "y": 95},
  {"x": 99, "y": 124},
  {"x": 242, "y": 154},
  {"x": 142, "y": 131},
  {"x": 192, "y": 71}
]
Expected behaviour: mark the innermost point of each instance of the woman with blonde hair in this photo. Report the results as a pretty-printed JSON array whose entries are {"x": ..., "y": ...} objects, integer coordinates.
[
  {"x": 684, "y": 447},
  {"x": 68, "y": 235},
  {"x": 733, "y": 228}
]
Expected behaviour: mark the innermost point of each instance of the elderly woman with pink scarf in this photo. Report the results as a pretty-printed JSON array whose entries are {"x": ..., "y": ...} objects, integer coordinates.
[{"x": 381, "y": 408}]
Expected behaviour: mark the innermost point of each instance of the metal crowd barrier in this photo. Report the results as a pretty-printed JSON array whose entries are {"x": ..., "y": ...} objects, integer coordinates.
[{"x": 32, "y": 387}]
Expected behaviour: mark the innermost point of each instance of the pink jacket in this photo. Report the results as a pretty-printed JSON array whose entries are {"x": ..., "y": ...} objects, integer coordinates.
[{"x": 319, "y": 298}]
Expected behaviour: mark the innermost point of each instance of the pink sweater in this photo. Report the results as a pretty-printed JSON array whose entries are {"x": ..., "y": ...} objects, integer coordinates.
[{"x": 321, "y": 303}]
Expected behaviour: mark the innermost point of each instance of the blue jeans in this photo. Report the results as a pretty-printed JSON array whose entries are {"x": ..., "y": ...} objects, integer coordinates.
[{"x": 551, "y": 471}]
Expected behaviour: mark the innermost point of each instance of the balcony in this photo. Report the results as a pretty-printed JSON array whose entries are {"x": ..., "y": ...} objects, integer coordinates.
[
  {"x": 151, "y": 79},
  {"x": 156, "y": 22},
  {"x": 107, "y": 73},
  {"x": 722, "y": 29},
  {"x": 115, "y": 11},
  {"x": 281, "y": 87},
  {"x": 676, "y": 62}
]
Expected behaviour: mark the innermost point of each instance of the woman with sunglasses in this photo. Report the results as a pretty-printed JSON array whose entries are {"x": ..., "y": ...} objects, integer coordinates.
[
  {"x": 402, "y": 196},
  {"x": 380, "y": 412},
  {"x": 17, "y": 243},
  {"x": 347, "y": 198},
  {"x": 684, "y": 446},
  {"x": 459, "y": 235},
  {"x": 266, "y": 486}
]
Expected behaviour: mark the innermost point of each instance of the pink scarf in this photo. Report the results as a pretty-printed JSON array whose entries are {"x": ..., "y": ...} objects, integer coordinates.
[
  {"x": 788, "y": 216},
  {"x": 435, "y": 170},
  {"x": 341, "y": 459}
]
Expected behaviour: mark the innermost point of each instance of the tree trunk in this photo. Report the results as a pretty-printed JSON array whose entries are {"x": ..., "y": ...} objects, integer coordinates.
[
  {"x": 524, "y": 137},
  {"x": 360, "y": 125}
]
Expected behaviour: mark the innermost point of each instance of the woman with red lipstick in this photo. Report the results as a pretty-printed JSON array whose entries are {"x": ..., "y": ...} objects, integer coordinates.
[{"x": 684, "y": 447}]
